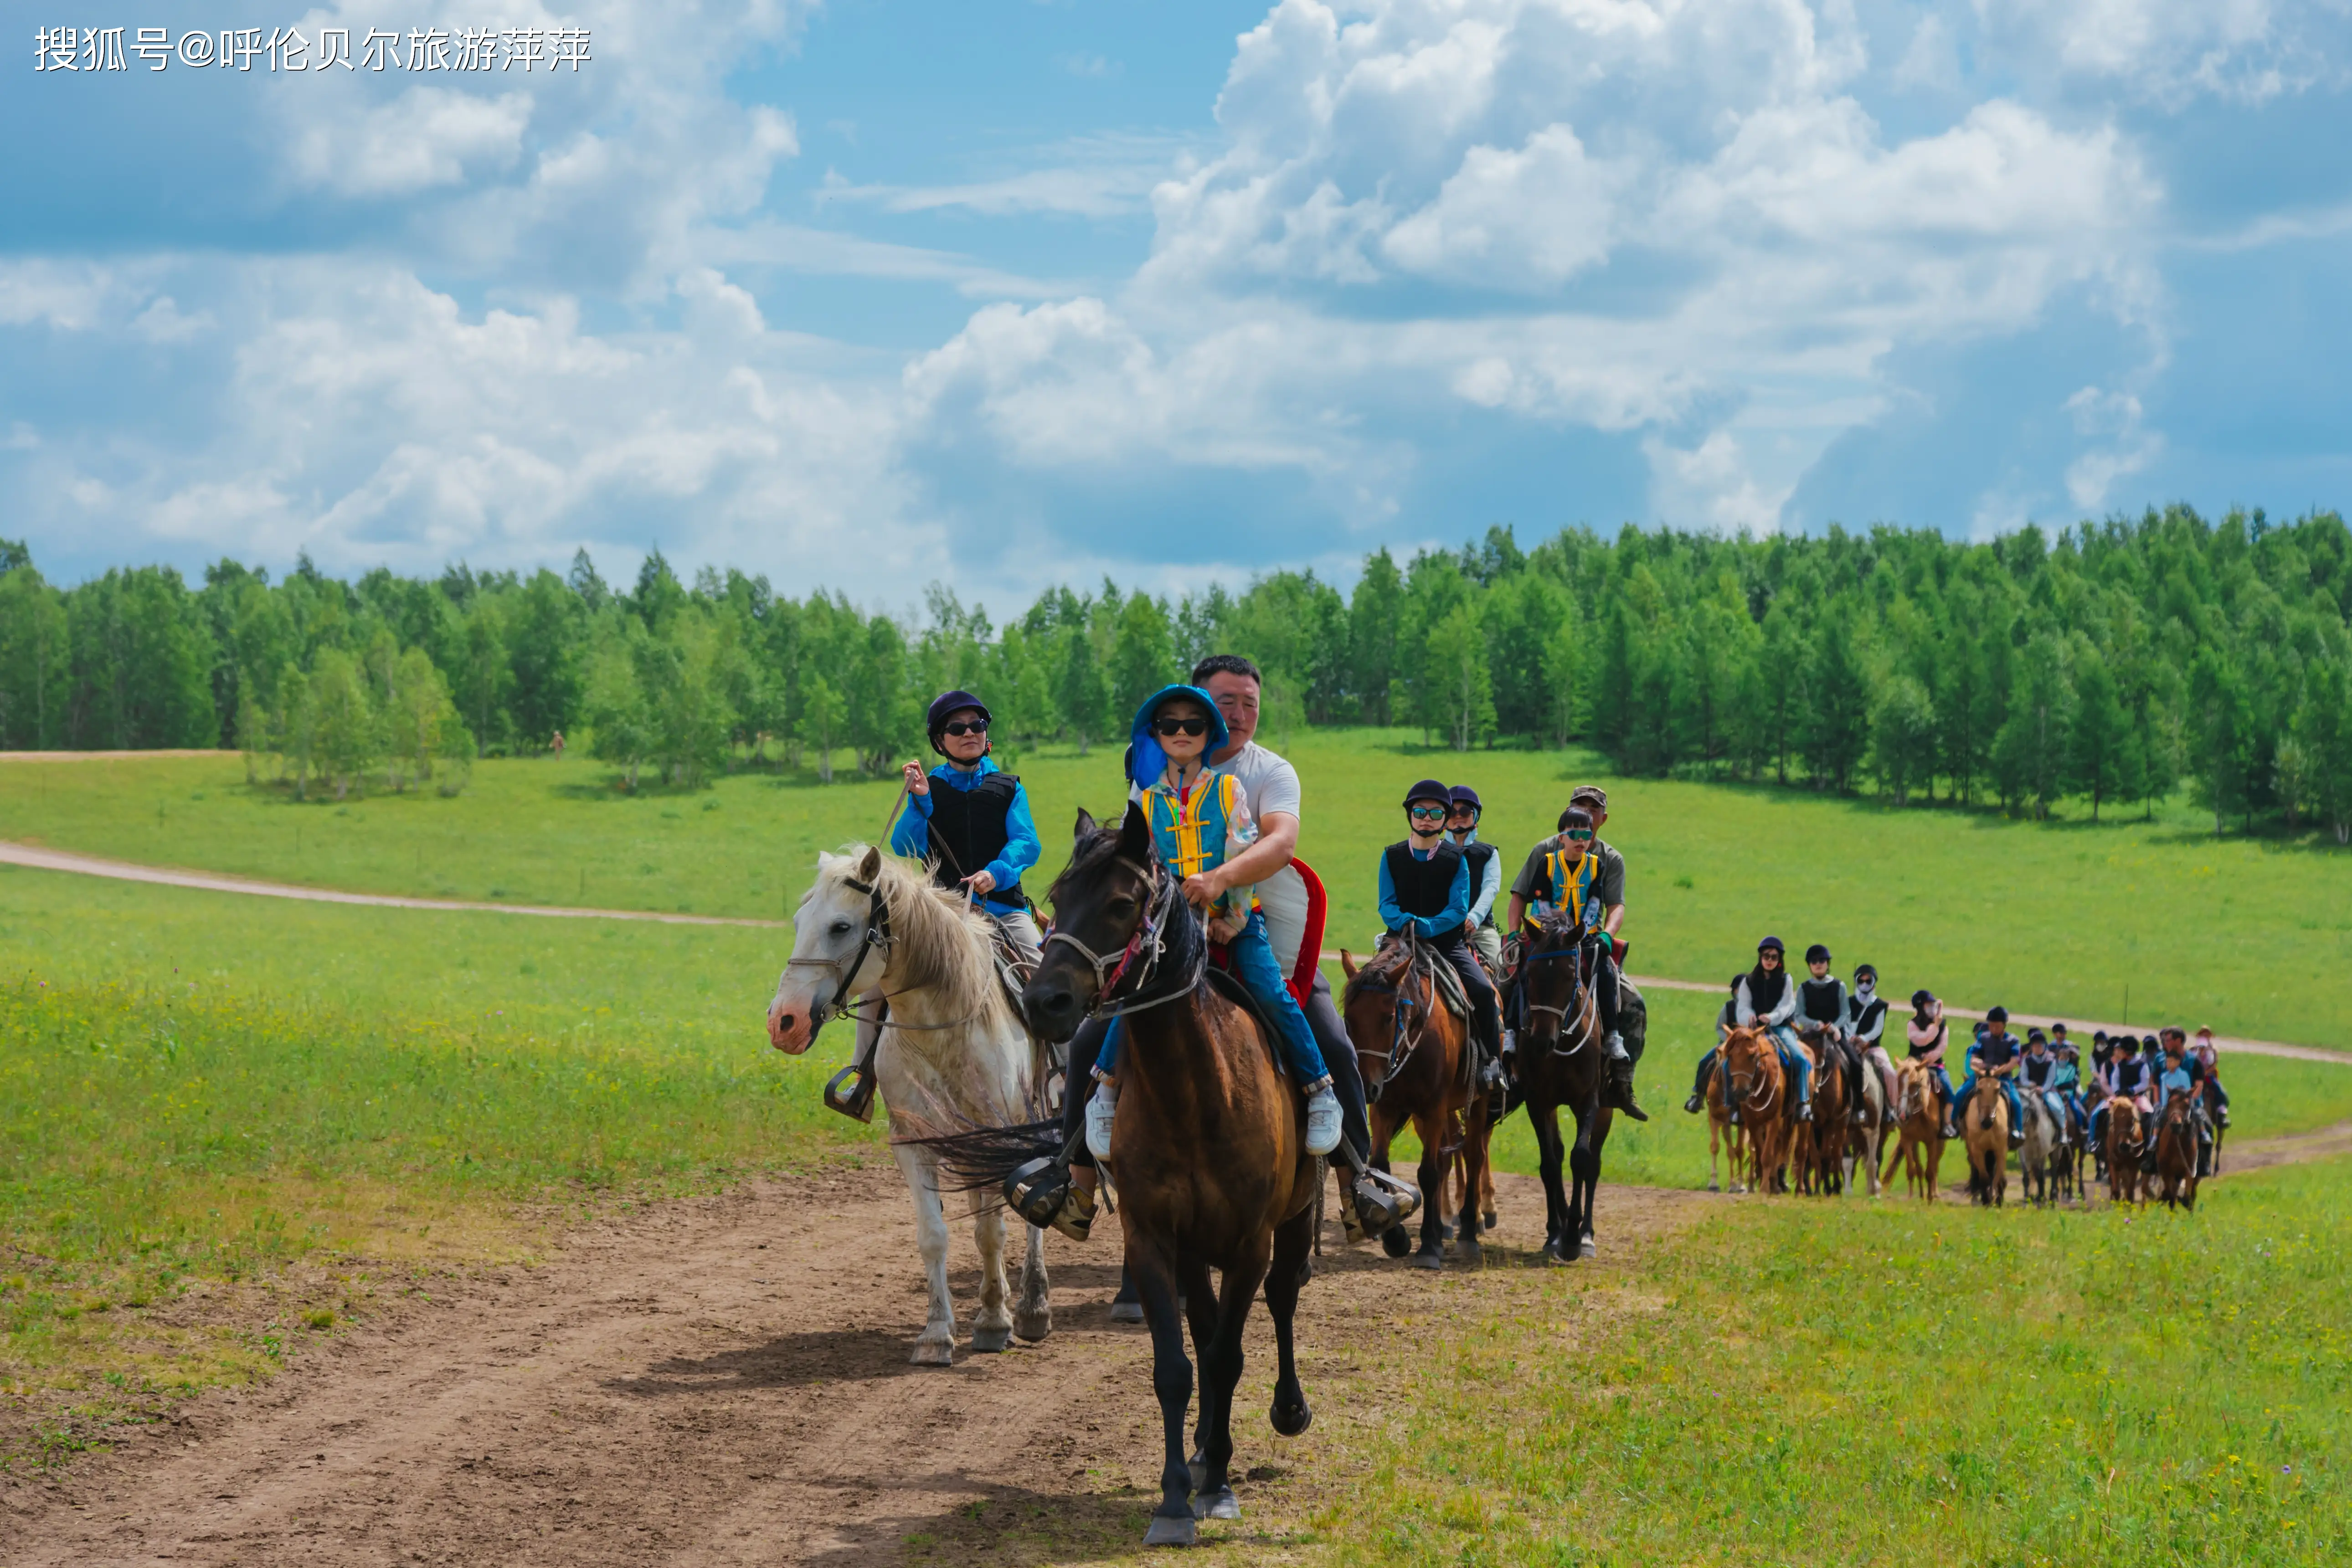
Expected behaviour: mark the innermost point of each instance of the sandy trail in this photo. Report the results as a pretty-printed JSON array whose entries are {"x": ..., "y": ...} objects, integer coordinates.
[
  {"x": 725, "y": 1381},
  {"x": 40, "y": 858}
]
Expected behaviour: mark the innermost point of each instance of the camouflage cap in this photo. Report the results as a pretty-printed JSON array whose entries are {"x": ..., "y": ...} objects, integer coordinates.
[{"x": 1589, "y": 794}]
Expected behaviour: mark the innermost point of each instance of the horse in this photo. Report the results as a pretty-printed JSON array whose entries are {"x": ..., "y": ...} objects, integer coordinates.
[
  {"x": 1723, "y": 1134},
  {"x": 1919, "y": 1121},
  {"x": 1208, "y": 1147},
  {"x": 953, "y": 1051},
  {"x": 2123, "y": 1141},
  {"x": 2214, "y": 1120},
  {"x": 2175, "y": 1150},
  {"x": 1822, "y": 1144},
  {"x": 1984, "y": 1131},
  {"x": 2038, "y": 1152},
  {"x": 1414, "y": 1052},
  {"x": 1563, "y": 1060},
  {"x": 1757, "y": 1088}
]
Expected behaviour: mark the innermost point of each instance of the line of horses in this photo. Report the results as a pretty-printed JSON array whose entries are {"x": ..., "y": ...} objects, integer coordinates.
[{"x": 1751, "y": 1118}]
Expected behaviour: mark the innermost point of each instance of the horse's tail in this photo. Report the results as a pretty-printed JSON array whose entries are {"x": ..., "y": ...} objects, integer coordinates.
[{"x": 979, "y": 1159}]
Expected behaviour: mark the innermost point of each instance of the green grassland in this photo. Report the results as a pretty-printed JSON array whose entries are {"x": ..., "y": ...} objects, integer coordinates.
[
  {"x": 1893, "y": 1384},
  {"x": 2160, "y": 919}
]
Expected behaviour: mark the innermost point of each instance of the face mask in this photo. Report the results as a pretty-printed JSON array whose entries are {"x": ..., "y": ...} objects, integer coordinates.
[{"x": 1864, "y": 989}]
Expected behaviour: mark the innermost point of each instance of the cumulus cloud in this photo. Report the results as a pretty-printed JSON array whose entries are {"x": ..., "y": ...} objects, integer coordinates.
[{"x": 2250, "y": 50}]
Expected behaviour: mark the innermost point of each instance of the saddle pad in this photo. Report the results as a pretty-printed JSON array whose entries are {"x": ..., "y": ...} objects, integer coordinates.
[
  {"x": 1293, "y": 905},
  {"x": 1449, "y": 982}
]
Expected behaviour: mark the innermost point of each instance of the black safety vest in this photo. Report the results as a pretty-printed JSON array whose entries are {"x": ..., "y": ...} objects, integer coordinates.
[
  {"x": 1477, "y": 854},
  {"x": 1998, "y": 1050},
  {"x": 1424, "y": 888},
  {"x": 2036, "y": 1070},
  {"x": 1764, "y": 991},
  {"x": 967, "y": 829},
  {"x": 1822, "y": 1001}
]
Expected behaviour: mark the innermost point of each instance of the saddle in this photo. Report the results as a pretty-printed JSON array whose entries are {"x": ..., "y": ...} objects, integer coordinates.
[{"x": 1417, "y": 960}]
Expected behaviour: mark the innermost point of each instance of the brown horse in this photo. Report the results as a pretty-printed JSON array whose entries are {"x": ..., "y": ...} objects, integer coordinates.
[
  {"x": 1759, "y": 1089},
  {"x": 1563, "y": 1061},
  {"x": 1208, "y": 1149},
  {"x": 1724, "y": 1135},
  {"x": 1920, "y": 1111},
  {"x": 1984, "y": 1132},
  {"x": 2176, "y": 1151},
  {"x": 1414, "y": 1053},
  {"x": 1820, "y": 1145},
  {"x": 2123, "y": 1140}
]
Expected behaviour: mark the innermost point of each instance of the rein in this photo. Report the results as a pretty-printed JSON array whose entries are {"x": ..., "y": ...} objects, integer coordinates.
[
  {"x": 1149, "y": 944},
  {"x": 877, "y": 935},
  {"x": 1584, "y": 1000},
  {"x": 1404, "y": 1038}
]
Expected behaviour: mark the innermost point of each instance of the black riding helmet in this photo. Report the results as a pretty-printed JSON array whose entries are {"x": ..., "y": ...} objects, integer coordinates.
[
  {"x": 1774, "y": 943},
  {"x": 1461, "y": 795},
  {"x": 1817, "y": 953},
  {"x": 946, "y": 705},
  {"x": 1429, "y": 790}
]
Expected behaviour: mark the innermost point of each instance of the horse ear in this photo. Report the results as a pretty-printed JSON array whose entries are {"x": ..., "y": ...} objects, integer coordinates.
[
  {"x": 1085, "y": 824},
  {"x": 1135, "y": 834},
  {"x": 1346, "y": 963},
  {"x": 871, "y": 867}
]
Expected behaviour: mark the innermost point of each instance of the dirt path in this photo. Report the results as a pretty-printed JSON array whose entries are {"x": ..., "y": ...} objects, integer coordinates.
[
  {"x": 39, "y": 857},
  {"x": 725, "y": 1381}
]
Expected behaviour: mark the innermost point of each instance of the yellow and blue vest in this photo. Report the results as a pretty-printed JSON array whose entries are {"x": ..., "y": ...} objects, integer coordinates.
[
  {"x": 1195, "y": 834},
  {"x": 1568, "y": 889}
]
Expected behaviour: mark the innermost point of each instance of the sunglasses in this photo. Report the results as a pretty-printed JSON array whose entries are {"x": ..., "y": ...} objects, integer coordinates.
[
  {"x": 965, "y": 727},
  {"x": 1181, "y": 727},
  {"x": 1429, "y": 813},
  {"x": 1580, "y": 833}
]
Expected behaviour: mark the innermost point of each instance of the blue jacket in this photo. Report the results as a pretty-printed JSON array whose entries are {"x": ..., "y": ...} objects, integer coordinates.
[
  {"x": 1457, "y": 901},
  {"x": 912, "y": 835}
]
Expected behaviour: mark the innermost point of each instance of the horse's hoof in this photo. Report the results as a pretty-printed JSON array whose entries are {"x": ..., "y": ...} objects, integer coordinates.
[
  {"x": 1127, "y": 1311},
  {"x": 1196, "y": 1469},
  {"x": 1448, "y": 1227},
  {"x": 1429, "y": 1260},
  {"x": 1290, "y": 1420},
  {"x": 931, "y": 1352},
  {"x": 1165, "y": 1531},
  {"x": 1487, "y": 1220},
  {"x": 1218, "y": 1504},
  {"x": 1034, "y": 1326},
  {"x": 1712, "y": 1187},
  {"x": 1471, "y": 1253},
  {"x": 1553, "y": 1253},
  {"x": 989, "y": 1341},
  {"x": 1586, "y": 1249},
  {"x": 1396, "y": 1241}
]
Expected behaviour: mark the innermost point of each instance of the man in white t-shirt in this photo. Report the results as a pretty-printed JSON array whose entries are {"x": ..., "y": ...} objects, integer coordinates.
[{"x": 1270, "y": 788}]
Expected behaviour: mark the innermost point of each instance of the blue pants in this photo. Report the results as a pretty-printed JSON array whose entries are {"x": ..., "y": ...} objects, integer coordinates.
[
  {"x": 1254, "y": 966},
  {"x": 2008, "y": 1087}
]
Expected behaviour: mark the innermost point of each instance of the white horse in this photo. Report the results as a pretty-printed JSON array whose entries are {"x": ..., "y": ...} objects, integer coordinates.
[
  {"x": 2040, "y": 1144},
  {"x": 953, "y": 1053}
]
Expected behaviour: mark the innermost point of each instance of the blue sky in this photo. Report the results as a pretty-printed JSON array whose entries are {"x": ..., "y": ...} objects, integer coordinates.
[{"x": 868, "y": 293}]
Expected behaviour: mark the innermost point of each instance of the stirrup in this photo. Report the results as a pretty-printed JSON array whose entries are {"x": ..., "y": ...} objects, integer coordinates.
[
  {"x": 858, "y": 1102},
  {"x": 1383, "y": 1201}
]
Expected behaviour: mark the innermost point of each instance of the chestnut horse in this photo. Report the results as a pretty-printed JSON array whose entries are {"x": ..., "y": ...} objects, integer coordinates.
[
  {"x": 2123, "y": 1185},
  {"x": 1414, "y": 1053},
  {"x": 1207, "y": 1150},
  {"x": 1563, "y": 1061},
  {"x": 1920, "y": 1120},
  {"x": 2176, "y": 1151},
  {"x": 1984, "y": 1133},
  {"x": 1758, "y": 1087}
]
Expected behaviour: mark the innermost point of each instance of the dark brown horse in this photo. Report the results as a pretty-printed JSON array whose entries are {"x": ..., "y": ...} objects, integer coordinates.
[
  {"x": 1563, "y": 1062},
  {"x": 2175, "y": 1150},
  {"x": 1822, "y": 1142},
  {"x": 1414, "y": 1053},
  {"x": 2123, "y": 1184},
  {"x": 1208, "y": 1151}
]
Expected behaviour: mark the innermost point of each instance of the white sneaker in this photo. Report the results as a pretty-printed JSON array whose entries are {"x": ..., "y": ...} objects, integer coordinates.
[
  {"x": 1102, "y": 1111},
  {"x": 1322, "y": 1122}
]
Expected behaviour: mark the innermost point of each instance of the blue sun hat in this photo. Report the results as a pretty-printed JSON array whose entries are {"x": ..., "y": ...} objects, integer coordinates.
[{"x": 1145, "y": 759}]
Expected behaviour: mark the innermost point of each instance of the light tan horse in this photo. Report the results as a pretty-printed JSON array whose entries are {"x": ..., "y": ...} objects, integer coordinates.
[
  {"x": 1984, "y": 1132},
  {"x": 1724, "y": 1136},
  {"x": 1920, "y": 1121}
]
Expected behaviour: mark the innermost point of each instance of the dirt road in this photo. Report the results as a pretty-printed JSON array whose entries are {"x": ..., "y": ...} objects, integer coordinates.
[{"x": 725, "y": 1381}]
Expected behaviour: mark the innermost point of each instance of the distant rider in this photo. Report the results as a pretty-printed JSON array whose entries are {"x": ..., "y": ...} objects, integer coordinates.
[
  {"x": 1927, "y": 1033},
  {"x": 1763, "y": 999},
  {"x": 1574, "y": 871},
  {"x": 1865, "y": 1026},
  {"x": 1463, "y": 811},
  {"x": 1995, "y": 1054},
  {"x": 1425, "y": 889},
  {"x": 1821, "y": 1021},
  {"x": 2210, "y": 1054}
]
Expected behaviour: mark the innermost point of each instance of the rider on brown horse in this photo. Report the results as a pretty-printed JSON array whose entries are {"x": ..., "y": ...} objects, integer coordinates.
[
  {"x": 1763, "y": 999},
  {"x": 2184, "y": 1073},
  {"x": 1425, "y": 889},
  {"x": 1996, "y": 1052},
  {"x": 1575, "y": 874},
  {"x": 1463, "y": 811}
]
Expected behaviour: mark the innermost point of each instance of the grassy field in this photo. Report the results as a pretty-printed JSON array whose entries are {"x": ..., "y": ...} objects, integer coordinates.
[
  {"x": 1896, "y": 1384},
  {"x": 2151, "y": 922}
]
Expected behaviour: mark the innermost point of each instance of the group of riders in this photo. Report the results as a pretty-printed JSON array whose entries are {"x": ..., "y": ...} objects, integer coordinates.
[
  {"x": 1810, "y": 1019},
  {"x": 1223, "y": 814}
]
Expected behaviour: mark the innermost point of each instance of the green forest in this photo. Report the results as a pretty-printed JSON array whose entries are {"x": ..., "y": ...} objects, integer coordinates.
[{"x": 2092, "y": 671}]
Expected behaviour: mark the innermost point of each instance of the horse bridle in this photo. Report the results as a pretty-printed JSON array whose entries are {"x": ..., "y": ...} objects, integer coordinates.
[
  {"x": 1582, "y": 1002},
  {"x": 877, "y": 934},
  {"x": 1150, "y": 943},
  {"x": 1403, "y": 1039}
]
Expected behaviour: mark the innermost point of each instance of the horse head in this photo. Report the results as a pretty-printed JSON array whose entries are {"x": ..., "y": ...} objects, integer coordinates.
[
  {"x": 1750, "y": 1069},
  {"x": 836, "y": 931},
  {"x": 1548, "y": 981},
  {"x": 1103, "y": 904}
]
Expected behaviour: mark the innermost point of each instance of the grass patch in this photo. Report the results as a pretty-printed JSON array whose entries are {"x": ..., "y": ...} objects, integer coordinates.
[
  {"x": 1789, "y": 1384},
  {"x": 2079, "y": 918}
]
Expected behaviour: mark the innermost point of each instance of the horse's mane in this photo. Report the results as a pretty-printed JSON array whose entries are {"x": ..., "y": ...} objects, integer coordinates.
[
  {"x": 943, "y": 942},
  {"x": 1183, "y": 936},
  {"x": 1382, "y": 965}
]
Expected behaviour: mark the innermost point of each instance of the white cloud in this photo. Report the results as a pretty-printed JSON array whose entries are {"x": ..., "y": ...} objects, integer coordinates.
[
  {"x": 428, "y": 136},
  {"x": 2116, "y": 420},
  {"x": 2170, "y": 50}
]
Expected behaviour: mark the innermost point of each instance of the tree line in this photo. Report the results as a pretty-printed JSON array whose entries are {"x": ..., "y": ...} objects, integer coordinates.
[{"x": 2105, "y": 664}]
